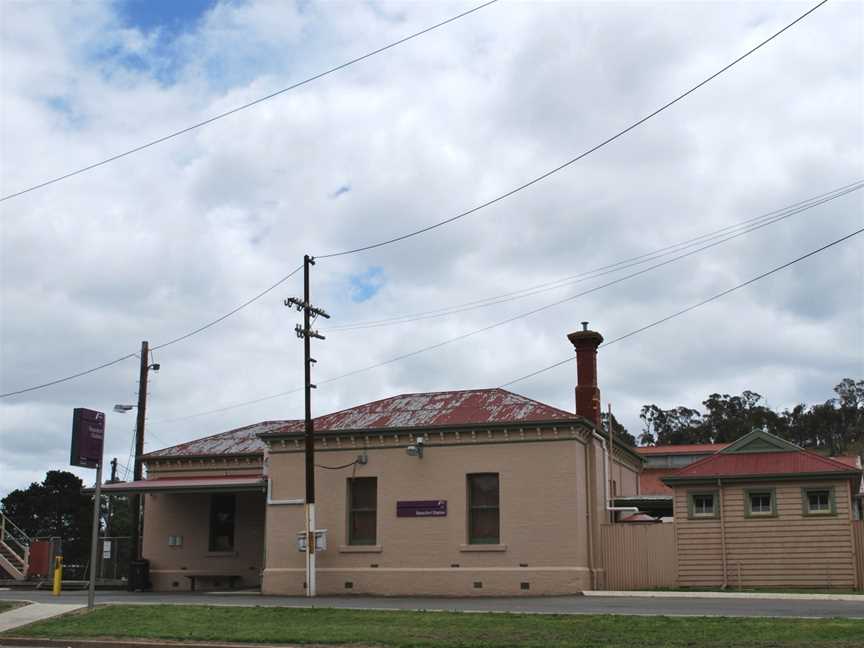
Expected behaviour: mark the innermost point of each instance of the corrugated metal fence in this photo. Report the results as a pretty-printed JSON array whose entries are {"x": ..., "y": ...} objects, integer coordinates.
[
  {"x": 858, "y": 540},
  {"x": 639, "y": 556}
]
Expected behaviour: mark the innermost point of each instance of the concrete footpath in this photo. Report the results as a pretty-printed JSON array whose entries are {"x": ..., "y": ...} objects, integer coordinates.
[{"x": 27, "y": 614}]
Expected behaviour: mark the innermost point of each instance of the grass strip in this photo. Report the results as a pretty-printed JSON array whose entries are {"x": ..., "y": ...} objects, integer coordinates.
[
  {"x": 443, "y": 629},
  {"x": 5, "y": 606}
]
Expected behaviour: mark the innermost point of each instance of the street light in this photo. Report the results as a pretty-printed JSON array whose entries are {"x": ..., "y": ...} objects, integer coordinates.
[{"x": 122, "y": 409}]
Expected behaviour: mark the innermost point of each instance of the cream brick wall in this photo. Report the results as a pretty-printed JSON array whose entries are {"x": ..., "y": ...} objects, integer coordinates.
[{"x": 543, "y": 526}]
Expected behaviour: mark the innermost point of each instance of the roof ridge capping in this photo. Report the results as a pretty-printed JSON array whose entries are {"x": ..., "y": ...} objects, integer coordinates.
[{"x": 760, "y": 441}]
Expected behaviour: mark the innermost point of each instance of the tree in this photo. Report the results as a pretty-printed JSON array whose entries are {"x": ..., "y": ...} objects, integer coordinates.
[
  {"x": 731, "y": 417},
  {"x": 619, "y": 431},
  {"x": 835, "y": 426},
  {"x": 54, "y": 508},
  {"x": 671, "y": 427}
]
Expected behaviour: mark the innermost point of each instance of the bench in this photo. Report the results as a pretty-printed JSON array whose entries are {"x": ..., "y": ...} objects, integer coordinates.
[{"x": 231, "y": 578}]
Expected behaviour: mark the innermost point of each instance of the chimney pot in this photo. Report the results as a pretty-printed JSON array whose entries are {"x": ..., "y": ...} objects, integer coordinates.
[{"x": 585, "y": 342}]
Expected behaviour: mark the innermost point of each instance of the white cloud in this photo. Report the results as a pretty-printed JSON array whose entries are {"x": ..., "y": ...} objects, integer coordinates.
[{"x": 155, "y": 244}]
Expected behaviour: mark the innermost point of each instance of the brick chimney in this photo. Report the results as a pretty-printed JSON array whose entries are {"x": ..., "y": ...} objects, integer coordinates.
[{"x": 587, "y": 393}]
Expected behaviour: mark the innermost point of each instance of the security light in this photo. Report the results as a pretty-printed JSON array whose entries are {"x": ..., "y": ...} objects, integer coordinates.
[{"x": 416, "y": 450}]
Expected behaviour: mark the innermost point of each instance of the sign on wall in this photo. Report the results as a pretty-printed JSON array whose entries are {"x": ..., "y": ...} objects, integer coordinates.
[
  {"x": 88, "y": 436},
  {"x": 421, "y": 508}
]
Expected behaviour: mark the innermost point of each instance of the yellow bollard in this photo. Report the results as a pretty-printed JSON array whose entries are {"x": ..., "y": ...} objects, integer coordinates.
[{"x": 58, "y": 575}]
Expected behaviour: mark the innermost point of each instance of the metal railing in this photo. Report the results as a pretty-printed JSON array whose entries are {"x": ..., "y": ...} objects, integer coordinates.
[{"x": 15, "y": 541}]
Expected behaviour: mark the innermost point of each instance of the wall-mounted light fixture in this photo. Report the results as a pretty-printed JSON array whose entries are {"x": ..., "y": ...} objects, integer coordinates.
[{"x": 416, "y": 450}]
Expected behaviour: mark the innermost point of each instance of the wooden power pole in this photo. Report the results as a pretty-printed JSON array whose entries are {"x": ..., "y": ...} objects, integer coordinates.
[
  {"x": 137, "y": 472},
  {"x": 306, "y": 333}
]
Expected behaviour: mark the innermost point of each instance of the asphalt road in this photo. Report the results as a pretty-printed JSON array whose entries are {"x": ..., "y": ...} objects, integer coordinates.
[{"x": 683, "y": 606}]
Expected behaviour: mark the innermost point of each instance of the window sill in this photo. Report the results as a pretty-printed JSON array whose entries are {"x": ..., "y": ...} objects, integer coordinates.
[
  {"x": 221, "y": 554},
  {"x": 482, "y": 547},
  {"x": 360, "y": 549}
]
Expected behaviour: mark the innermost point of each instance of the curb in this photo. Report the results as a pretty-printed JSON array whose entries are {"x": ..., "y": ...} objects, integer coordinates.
[{"x": 853, "y": 598}]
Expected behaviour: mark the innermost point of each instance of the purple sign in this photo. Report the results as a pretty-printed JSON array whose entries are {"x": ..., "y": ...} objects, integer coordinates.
[
  {"x": 421, "y": 508},
  {"x": 88, "y": 436}
]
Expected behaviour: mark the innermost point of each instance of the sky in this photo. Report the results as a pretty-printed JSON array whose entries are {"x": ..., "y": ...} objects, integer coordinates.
[{"x": 156, "y": 244}]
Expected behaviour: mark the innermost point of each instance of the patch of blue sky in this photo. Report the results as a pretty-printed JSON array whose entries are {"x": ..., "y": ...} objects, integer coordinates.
[
  {"x": 62, "y": 105},
  {"x": 171, "y": 16},
  {"x": 163, "y": 22},
  {"x": 365, "y": 285}
]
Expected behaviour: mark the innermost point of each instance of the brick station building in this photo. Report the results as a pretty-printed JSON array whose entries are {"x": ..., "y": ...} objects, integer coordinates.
[{"x": 506, "y": 497}]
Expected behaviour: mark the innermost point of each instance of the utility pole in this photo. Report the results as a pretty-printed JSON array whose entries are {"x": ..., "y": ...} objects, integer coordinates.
[
  {"x": 307, "y": 333},
  {"x": 137, "y": 473}
]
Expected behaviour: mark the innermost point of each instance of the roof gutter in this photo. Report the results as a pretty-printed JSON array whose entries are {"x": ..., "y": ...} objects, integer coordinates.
[{"x": 672, "y": 480}]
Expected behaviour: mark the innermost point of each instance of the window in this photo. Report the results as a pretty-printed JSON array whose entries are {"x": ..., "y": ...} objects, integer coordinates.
[
  {"x": 761, "y": 503},
  {"x": 818, "y": 501},
  {"x": 484, "y": 515},
  {"x": 703, "y": 505},
  {"x": 222, "y": 509},
  {"x": 362, "y": 510}
]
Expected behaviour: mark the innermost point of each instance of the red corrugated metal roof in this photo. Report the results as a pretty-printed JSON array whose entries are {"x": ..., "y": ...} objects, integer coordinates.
[
  {"x": 692, "y": 448},
  {"x": 240, "y": 441},
  {"x": 650, "y": 484},
  {"x": 469, "y": 407},
  {"x": 762, "y": 463},
  {"x": 854, "y": 460}
]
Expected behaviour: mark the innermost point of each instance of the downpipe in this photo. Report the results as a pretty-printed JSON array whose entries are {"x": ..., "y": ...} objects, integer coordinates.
[{"x": 607, "y": 458}]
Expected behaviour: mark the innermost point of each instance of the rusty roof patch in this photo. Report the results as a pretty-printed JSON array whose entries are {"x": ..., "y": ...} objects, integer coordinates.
[
  {"x": 240, "y": 441},
  {"x": 430, "y": 409}
]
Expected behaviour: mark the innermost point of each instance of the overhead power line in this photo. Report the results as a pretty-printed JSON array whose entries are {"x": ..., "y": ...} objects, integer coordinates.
[
  {"x": 508, "y": 320},
  {"x": 691, "y": 308},
  {"x": 67, "y": 378},
  {"x": 159, "y": 346},
  {"x": 582, "y": 155},
  {"x": 250, "y": 104},
  {"x": 744, "y": 227},
  {"x": 231, "y": 312}
]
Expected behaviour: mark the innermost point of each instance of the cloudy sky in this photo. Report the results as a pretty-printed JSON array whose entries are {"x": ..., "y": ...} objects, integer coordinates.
[{"x": 158, "y": 243}]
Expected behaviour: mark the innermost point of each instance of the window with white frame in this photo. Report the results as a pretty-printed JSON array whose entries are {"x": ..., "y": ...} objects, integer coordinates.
[
  {"x": 760, "y": 503},
  {"x": 703, "y": 505},
  {"x": 818, "y": 501}
]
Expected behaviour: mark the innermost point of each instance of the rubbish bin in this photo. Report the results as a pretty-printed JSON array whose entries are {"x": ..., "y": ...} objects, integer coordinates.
[{"x": 139, "y": 575}]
